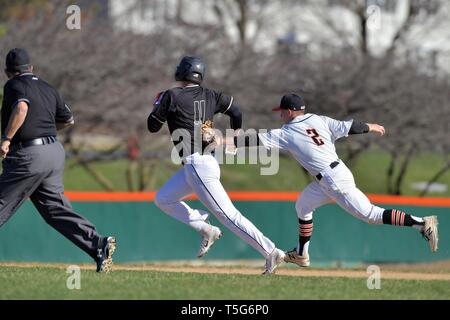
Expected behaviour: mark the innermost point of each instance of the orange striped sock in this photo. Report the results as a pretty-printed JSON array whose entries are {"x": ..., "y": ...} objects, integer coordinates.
[
  {"x": 399, "y": 218},
  {"x": 305, "y": 230}
]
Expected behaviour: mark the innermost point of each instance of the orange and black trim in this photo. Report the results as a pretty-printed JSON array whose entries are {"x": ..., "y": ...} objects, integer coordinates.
[
  {"x": 399, "y": 218},
  {"x": 305, "y": 230}
]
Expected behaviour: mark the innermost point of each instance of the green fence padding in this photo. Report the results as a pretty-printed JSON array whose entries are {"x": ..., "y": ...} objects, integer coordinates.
[{"x": 145, "y": 233}]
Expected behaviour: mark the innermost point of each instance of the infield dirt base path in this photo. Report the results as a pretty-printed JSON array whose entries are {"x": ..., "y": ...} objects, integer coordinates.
[
  {"x": 306, "y": 273},
  {"x": 386, "y": 272}
]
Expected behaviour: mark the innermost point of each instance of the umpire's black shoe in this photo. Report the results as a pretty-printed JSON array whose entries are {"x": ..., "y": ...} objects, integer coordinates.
[{"x": 104, "y": 255}]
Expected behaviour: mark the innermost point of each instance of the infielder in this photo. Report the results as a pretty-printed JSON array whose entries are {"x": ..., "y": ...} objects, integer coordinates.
[
  {"x": 187, "y": 109},
  {"x": 310, "y": 139}
]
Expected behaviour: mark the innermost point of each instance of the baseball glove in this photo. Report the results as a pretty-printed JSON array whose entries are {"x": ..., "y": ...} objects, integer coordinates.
[{"x": 208, "y": 134}]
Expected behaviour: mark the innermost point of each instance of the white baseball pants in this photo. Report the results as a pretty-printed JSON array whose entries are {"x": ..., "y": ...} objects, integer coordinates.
[
  {"x": 201, "y": 175},
  {"x": 337, "y": 185}
]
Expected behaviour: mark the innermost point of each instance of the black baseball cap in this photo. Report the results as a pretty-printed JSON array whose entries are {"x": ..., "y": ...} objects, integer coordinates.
[
  {"x": 291, "y": 101},
  {"x": 17, "y": 60}
]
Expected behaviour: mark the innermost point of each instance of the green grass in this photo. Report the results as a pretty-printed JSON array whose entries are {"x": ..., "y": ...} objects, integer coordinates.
[
  {"x": 369, "y": 172},
  {"x": 50, "y": 283}
]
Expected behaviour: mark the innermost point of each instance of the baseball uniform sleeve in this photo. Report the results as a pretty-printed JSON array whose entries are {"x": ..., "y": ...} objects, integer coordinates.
[
  {"x": 358, "y": 127},
  {"x": 63, "y": 112},
  {"x": 235, "y": 116},
  {"x": 274, "y": 139},
  {"x": 337, "y": 128},
  {"x": 223, "y": 102},
  {"x": 160, "y": 112}
]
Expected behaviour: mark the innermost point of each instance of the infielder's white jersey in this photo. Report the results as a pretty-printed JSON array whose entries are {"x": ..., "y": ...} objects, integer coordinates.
[{"x": 310, "y": 138}]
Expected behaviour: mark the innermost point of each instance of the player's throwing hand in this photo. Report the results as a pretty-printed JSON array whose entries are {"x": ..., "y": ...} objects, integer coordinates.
[{"x": 373, "y": 127}]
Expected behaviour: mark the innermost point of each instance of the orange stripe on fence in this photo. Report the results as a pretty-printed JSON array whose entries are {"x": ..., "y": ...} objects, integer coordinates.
[
  {"x": 263, "y": 196},
  {"x": 110, "y": 196},
  {"x": 410, "y": 201},
  {"x": 250, "y": 196}
]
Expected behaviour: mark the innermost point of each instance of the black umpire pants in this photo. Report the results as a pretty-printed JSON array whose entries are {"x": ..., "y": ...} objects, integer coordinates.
[{"x": 36, "y": 172}]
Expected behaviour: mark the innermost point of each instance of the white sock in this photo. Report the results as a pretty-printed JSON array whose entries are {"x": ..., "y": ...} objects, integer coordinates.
[
  {"x": 305, "y": 249},
  {"x": 417, "y": 219}
]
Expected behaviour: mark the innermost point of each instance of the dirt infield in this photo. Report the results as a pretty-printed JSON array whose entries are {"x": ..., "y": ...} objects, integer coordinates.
[{"x": 435, "y": 271}]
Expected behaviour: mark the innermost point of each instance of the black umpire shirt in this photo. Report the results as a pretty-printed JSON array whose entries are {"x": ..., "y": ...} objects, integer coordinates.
[
  {"x": 187, "y": 108},
  {"x": 45, "y": 107}
]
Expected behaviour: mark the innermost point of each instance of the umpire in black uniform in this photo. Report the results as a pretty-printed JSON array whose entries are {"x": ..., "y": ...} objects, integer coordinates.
[{"x": 33, "y": 159}]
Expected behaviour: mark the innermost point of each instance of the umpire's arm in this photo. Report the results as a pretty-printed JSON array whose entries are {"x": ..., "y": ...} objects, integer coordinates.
[
  {"x": 63, "y": 117},
  {"x": 63, "y": 125},
  {"x": 15, "y": 122},
  {"x": 17, "y": 119}
]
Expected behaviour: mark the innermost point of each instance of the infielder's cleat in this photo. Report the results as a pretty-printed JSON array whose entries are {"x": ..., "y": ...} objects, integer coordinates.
[
  {"x": 104, "y": 255},
  {"x": 430, "y": 232},
  {"x": 208, "y": 240},
  {"x": 293, "y": 257},
  {"x": 273, "y": 261}
]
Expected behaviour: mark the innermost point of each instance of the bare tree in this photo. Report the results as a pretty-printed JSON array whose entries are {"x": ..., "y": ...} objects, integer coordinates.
[{"x": 109, "y": 75}]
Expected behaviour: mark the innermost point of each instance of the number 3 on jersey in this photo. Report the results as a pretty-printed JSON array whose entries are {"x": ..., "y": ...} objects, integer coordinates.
[{"x": 315, "y": 136}]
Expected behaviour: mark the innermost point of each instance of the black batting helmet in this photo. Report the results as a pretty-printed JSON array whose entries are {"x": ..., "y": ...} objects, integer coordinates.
[{"x": 190, "y": 69}]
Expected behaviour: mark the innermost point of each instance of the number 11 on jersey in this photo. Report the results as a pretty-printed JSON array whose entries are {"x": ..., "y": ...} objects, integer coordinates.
[{"x": 315, "y": 136}]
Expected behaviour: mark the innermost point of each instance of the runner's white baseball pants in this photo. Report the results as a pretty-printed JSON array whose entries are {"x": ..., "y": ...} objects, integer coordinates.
[{"x": 201, "y": 175}]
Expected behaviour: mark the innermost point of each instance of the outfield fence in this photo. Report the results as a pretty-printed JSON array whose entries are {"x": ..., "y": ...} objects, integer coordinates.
[{"x": 145, "y": 233}]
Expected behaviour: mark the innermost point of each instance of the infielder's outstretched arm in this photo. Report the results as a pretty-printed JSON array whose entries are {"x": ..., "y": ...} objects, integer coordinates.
[
  {"x": 358, "y": 127},
  {"x": 251, "y": 140}
]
